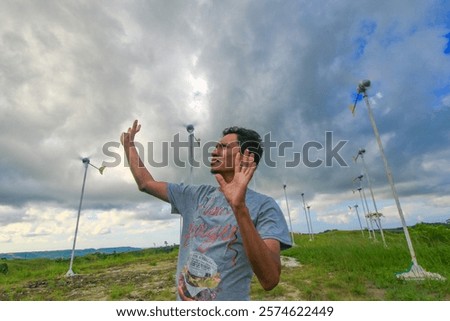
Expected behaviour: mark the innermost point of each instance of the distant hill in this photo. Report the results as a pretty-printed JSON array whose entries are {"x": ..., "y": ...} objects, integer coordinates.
[{"x": 65, "y": 254}]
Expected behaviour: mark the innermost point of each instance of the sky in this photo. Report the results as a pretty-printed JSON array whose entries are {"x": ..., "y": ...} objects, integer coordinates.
[{"x": 75, "y": 74}]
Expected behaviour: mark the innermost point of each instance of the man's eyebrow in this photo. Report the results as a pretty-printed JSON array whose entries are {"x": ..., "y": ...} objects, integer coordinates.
[{"x": 227, "y": 144}]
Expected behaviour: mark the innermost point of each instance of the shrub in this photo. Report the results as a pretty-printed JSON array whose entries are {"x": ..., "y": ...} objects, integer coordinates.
[{"x": 3, "y": 268}]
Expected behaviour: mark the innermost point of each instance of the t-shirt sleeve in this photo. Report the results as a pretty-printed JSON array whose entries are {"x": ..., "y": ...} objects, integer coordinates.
[
  {"x": 176, "y": 197},
  {"x": 271, "y": 224}
]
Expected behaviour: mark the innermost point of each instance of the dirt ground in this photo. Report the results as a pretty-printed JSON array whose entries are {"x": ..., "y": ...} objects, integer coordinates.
[{"x": 137, "y": 282}]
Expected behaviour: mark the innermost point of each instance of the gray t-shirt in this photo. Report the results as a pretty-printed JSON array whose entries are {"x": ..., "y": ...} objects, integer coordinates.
[{"x": 212, "y": 264}]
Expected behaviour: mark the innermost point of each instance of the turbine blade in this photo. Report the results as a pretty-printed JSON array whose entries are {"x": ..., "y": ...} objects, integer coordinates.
[{"x": 352, "y": 109}]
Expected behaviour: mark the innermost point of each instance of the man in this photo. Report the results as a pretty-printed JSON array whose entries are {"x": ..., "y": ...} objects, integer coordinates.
[{"x": 229, "y": 232}]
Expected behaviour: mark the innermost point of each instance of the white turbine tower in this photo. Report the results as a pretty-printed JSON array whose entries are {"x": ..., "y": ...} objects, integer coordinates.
[
  {"x": 86, "y": 163},
  {"x": 193, "y": 142},
  {"x": 416, "y": 272},
  {"x": 307, "y": 218},
  {"x": 366, "y": 209},
  {"x": 310, "y": 222},
  {"x": 359, "y": 219},
  {"x": 375, "y": 214},
  {"x": 289, "y": 214}
]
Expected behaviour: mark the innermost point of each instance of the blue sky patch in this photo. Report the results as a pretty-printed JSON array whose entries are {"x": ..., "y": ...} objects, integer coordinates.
[
  {"x": 367, "y": 28},
  {"x": 447, "y": 49}
]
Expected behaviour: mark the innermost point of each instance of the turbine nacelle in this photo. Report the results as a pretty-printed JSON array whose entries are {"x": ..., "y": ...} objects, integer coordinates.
[
  {"x": 363, "y": 85},
  {"x": 190, "y": 128}
]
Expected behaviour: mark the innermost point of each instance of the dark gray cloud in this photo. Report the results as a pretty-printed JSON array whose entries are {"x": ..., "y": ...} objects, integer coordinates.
[{"x": 74, "y": 75}]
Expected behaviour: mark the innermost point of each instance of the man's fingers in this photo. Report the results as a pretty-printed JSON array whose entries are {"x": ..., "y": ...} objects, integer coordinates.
[
  {"x": 237, "y": 160},
  {"x": 131, "y": 132},
  {"x": 220, "y": 179},
  {"x": 136, "y": 127},
  {"x": 248, "y": 159}
]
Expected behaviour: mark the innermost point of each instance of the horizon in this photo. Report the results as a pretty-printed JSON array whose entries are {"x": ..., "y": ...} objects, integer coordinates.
[{"x": 398, "y": 229}]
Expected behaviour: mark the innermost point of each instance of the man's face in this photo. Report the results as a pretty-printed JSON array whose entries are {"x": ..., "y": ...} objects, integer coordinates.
[{"x": 223, "y": 156}]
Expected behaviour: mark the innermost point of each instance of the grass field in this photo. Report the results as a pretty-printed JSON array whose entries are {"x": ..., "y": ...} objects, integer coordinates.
[
  {"x": 342, "y": 265},
  {"x": 335, "y": 266}
]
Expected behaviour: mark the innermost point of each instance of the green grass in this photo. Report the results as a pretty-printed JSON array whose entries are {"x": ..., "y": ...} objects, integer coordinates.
[
  {"x": 44, "y": 279},
  {"x": 342, "y": 265},
  {"x": 117, "y": 292},
  {"x": 336, "y": 265}
]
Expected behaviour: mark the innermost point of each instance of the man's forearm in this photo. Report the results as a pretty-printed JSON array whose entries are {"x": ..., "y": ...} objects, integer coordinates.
[
  {"x": 140, "y": 173},
  {"x": 144, "y": 180},
  {"x": 265, "y": 260}
]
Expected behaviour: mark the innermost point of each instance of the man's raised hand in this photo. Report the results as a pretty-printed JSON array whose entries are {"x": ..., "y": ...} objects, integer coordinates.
[
  {"x": 128, "y": 137},
  {"x": 236, "y": 189}
]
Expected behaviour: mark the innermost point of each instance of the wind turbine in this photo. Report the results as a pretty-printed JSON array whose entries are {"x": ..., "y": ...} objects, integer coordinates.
[
  {"x": 86, "y": 163},
  {"x": 193, "y": 142},
  {"x": 376, "y": 214},
  {"x": 310, "y": 222},
  {"x": 359, "y": 219},
  {"x": 416, "y": 272},
  {"x": 362, "y": 194},
  {"x": 289, "y": 214},
  {"x": 306, "y": 216}
]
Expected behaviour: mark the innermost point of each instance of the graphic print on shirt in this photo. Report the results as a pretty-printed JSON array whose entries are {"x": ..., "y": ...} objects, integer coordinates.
[
  {"x": 199, "y": 278},
  {"x": 213, "y": 226}
]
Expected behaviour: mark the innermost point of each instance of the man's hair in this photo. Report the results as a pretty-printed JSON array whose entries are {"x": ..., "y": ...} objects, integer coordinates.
[{"x": 248, "y": 139}]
